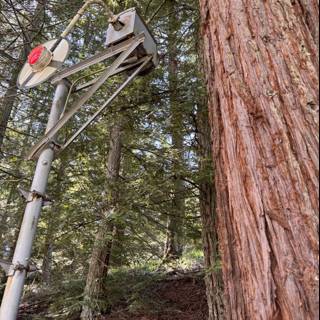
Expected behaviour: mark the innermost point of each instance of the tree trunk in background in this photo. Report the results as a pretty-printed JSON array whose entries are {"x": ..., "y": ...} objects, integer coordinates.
[
  {"x": 174, "y": 242},
  {"x": 7, "y": 103},
  {"x": 214, "y": 281},
  {"x": 99, "y": 263},
  {"x": 10, "y": 221},
  {"x": 47, "y": 261},
  {"x": 3, "y": 232},
  {"x": 262, "y": 61},
  {"x": 9, "y": 98},
  {"x": 53, "y": 223}
]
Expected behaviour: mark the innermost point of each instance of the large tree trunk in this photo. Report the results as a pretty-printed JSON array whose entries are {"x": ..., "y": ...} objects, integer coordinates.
[
  {"x": 100, "y": 258},
  {"x": 174, "y": 241},
  {"x": 213, "y": 277},
  {"x": 262, "y": 63}
]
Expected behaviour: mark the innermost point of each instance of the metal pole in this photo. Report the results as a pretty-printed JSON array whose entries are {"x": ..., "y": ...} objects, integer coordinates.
[
  {"x": 113, "y": 19},
  {"x": 20, "y": 264}
]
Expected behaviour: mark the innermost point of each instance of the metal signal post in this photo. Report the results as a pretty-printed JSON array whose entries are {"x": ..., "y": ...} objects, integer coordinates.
[
  {"x": 134, "y": 52},
  {"x": 35, "y": 200}
]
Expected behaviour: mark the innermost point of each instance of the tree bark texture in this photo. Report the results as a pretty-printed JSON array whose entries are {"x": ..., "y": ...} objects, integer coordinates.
[
  {"x": 262, "y": 61},
  {"x": 174, "y": 241},
  {"x": 100, "y": 258},
  {"x": 213, "y": 279},
  {"x": 7, "y": 102}
]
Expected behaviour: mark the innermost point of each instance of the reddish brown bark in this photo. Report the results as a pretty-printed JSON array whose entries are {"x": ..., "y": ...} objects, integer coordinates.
[
  {"x": 212, "y": 261},
  {"x": 262, "y": 63}
]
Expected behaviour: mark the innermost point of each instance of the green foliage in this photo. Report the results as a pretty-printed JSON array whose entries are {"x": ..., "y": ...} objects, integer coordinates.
[{"x": 150, "y": 162}]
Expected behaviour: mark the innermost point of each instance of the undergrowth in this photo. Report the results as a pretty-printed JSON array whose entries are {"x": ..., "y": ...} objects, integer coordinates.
[{"x": 126, "y": 288}]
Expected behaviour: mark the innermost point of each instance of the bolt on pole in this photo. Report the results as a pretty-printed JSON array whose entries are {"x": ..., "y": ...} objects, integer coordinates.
[{"x": 20, "y": 264}]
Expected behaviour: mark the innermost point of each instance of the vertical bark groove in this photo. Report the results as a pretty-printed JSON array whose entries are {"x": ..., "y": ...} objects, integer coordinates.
[{"x": 213, "y": 277}]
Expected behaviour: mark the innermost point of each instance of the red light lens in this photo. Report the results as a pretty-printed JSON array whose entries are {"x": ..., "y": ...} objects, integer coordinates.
[{"x": 35, "y": 55}]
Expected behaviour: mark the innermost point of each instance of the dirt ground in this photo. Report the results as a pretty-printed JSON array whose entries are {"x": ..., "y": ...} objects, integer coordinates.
[{"x": 183, "y": 299}]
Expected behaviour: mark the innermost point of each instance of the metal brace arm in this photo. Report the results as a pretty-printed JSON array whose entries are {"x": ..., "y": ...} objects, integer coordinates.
[
  {"x": 108, "y": 53},
  {"x": 50, "y": 135},
  {"x": 145, "y": 61},
  {"x": 118, "y": 71}
]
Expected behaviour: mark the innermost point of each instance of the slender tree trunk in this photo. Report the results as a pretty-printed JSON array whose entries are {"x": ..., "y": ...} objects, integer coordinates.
[
  {"x": 261, "y": 61},
  {"x": 100, "y": 259},
  {"x": 47, "y": 262},
  {"x": 10, "y": 221},
  {"x": 213, "y": 279},
  {"x": 7, "y": 103},
  {"x": 4, "y": 219},
  {"x": 174, "y": 242},
  {"x": 53, "y": 224},
  {"x": 4, "y": 231}
]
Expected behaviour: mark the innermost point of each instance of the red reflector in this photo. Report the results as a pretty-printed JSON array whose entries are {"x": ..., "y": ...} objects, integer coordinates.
[{"x": 35, "y": 54}]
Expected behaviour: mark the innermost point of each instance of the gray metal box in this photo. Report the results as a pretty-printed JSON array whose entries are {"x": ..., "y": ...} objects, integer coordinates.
[{"x": 133, "y": 25}]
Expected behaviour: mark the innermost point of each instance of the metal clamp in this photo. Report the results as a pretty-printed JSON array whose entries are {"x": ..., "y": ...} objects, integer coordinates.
[
  {"x": 11, "y": 269},
  {"x": 29, "y": 196}
]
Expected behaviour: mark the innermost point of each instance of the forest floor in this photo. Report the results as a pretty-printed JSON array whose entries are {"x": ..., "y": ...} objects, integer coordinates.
[
  {"x": 181, "y": 298},
  {"x": 172, "y": 296}
]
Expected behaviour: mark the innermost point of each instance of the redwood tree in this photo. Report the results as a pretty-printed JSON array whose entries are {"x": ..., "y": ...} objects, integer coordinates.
[{"x": 262, "y": 77}]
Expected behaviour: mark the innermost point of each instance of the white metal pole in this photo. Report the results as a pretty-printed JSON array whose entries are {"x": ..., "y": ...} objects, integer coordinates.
[{"x": 20, "y": 264}]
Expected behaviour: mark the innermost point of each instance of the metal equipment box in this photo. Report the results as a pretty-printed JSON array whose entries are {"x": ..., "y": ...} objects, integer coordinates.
[{"x": 133, "y": 26}]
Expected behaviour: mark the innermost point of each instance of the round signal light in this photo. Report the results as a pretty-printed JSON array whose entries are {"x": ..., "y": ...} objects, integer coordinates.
[
  {"x": 35, "y": 55},
  {"x": 39, "y": 58}
]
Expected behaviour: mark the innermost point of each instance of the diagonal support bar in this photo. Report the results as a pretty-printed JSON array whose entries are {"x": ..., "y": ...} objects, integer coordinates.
[
  {"x": 145, "y": 61},
  {"x": 118, "y": 71},
  {"x": 106, "y": 54},
  {"x": 50, "y": 135}
]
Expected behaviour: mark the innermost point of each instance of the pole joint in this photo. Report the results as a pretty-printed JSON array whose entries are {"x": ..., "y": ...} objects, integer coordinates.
[
  {"x": 10, "y": 269},
  {"x": 30, "y": 196}
]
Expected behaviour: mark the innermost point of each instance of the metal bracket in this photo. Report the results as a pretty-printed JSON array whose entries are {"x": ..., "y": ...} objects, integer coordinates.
[
  {"x": 11, "y": 269},
  {"x": 127, "y": 51},
  {"x": 144, "y": 61},
  {"x": 29, "y": 196}
]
